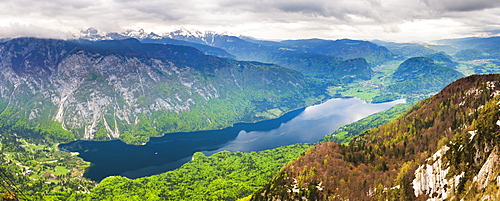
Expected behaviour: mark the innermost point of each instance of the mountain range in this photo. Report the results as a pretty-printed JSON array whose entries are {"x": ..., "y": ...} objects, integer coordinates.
[
  {"x": 116, "y": 88},
  {"x": 131, "y": 90},
  {"x": 313, "y": 58},
  {"x": 134, "y": 85},
  {"x": 134, "y": 88}
]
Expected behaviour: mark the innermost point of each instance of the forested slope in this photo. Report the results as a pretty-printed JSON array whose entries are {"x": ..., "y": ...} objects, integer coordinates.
[
  {"x": 421, "y": 75},
  {"x": 451, "y": 137}
]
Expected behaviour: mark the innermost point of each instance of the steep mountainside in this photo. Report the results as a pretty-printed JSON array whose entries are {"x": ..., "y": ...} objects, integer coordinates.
[
  {"x": 445, "y": 147},
  {"x": 131, "y": 90},
  {"x": 420, "y": 75}
]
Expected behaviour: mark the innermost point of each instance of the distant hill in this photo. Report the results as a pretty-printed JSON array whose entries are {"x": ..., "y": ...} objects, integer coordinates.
[
  {"x": 445, "y": 147},
  {"x": 471, "y": 54},
  {"x": 406, "y": 50},
  {"x": 420, "y": 75},
  {"x": 443, "y": 59},
  {"x": 475, "y": 48},
  {"x": 344, "y": 48},
  {"x": 471, "y": 42}
]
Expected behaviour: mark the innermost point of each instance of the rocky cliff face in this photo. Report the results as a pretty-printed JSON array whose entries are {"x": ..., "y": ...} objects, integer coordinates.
[
  {"x": 114, "y": 87},
  {"x": 444, "y": 148}
]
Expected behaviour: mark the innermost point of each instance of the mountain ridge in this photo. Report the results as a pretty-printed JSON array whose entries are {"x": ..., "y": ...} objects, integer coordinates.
[
  {"x": 452, "y": 137},
  {"x": 328, "y": 54},
  {"x": 121, "y": 86}
]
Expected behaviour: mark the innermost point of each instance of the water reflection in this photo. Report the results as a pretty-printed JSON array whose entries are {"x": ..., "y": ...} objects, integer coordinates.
[
  {"x": 310, "y": 126},
  {"x": 165, "y": 153}
]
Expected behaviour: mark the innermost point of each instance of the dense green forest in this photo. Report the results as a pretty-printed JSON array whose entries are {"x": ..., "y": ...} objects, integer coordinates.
[{"x": 222, "y": 176}]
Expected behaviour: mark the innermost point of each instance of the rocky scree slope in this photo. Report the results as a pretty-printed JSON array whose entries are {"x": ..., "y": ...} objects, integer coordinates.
[
  {"x": 445, "y": 147},
  {"x": 129, "y": 90}
]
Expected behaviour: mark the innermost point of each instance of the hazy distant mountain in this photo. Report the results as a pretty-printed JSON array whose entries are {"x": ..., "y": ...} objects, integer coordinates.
[
  {"x": 471, "y": 42},
  {"x": 406, "y": 50},
  {"x": 475, "y": 48},
  {"x": 246, "y": 48},
  {"x": 344, "y": 48},
  {"x": 315, "y": 58}
]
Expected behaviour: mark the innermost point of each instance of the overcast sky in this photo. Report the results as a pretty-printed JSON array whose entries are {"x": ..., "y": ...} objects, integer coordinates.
[{"x": 400, "y": 20}]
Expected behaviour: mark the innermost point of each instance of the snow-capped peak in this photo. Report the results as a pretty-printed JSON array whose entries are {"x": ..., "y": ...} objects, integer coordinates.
[
  {"x": 140, "y": 34},
  {"x": 185, "y": 32},
  {"x": 95, "y": 35},
  {"x": 91, "y": 34},
  {"x": 196, "y": 36},
  {"x": 192, "y": 35}
]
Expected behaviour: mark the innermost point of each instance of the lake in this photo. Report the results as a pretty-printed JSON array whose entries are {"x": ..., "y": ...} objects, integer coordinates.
[{"x": 170, "y": 151}]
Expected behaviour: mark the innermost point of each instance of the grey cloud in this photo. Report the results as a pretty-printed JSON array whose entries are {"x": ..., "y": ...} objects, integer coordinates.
[
  {"x": 157, "y": 11},
  {"x": 18, "y": 30},
  {"x": 490, "y": 32},
  {"x": 462, "y": 5},
  {"x": 293, "y": 15},
  {"x": 45, "y": 6},
  {"x": 338, "y": 9}
]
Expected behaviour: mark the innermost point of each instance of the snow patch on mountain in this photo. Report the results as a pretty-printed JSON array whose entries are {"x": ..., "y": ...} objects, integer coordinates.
[{"x": 93, "y": 34}]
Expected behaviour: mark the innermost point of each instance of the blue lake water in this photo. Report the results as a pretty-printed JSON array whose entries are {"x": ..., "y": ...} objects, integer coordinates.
[{"x": 169, "y": 152}]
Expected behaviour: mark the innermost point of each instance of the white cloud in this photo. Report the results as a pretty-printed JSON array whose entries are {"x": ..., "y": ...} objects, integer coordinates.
[
  {"x": 271, "y": 19},
  {"x": 14, "y": 30}
]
